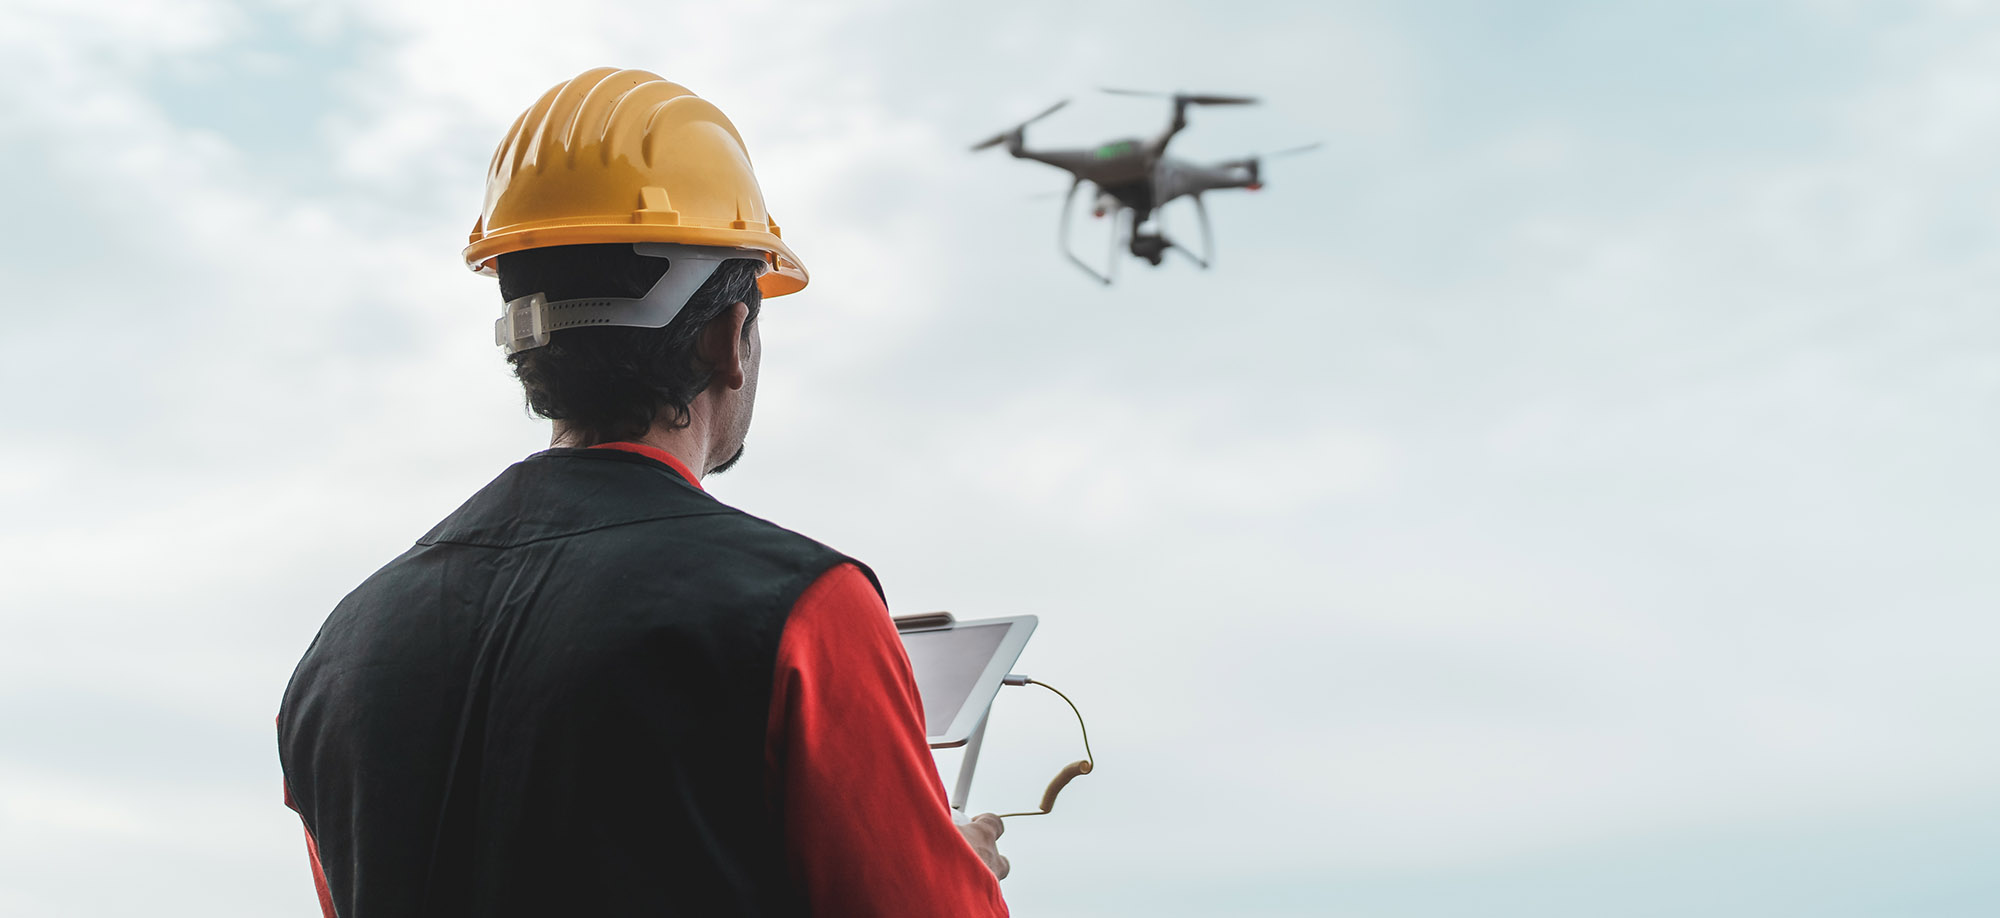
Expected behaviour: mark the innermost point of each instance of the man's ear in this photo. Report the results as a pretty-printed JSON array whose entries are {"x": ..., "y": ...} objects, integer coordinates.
[{"x": 721, "y": 346}]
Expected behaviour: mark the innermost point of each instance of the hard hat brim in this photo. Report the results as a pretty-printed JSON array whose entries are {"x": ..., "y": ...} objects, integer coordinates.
[{"x": 786, "y": 275}]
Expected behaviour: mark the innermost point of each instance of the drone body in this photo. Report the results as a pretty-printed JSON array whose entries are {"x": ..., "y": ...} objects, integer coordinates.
[{"x": 1137, "y": 177}]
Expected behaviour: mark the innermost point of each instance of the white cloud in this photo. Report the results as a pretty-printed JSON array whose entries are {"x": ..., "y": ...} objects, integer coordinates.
[{"x": 1117, "y": 462}]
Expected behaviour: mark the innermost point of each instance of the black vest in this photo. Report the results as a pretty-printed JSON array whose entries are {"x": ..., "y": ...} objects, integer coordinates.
[{"x": 555, "y": 704}]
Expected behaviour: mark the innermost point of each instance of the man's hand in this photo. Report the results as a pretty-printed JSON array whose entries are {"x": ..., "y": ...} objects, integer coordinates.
[{"x": 984, "y": 834}]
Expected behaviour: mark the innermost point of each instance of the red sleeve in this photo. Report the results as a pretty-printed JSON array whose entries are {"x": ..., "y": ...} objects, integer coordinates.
[
  {"x": 312, "y": 852},
  {"x": 868, "y": 830}
]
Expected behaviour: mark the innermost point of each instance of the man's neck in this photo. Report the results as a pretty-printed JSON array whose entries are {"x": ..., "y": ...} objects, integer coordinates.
[{"x": 692, "y": 445}]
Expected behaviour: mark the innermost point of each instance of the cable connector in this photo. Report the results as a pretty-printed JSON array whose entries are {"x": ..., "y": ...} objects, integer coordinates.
[{"x": 1015, "y": 679}]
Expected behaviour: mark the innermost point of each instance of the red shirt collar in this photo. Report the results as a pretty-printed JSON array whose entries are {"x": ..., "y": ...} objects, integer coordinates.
[{"x": 657, "y": 455}]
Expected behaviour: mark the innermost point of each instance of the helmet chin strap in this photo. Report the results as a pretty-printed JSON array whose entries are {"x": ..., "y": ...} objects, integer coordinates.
[{"x": 527, "y": 322}]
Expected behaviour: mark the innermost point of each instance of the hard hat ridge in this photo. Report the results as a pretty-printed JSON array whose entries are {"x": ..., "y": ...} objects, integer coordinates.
[{"x": 625, "y": 156}]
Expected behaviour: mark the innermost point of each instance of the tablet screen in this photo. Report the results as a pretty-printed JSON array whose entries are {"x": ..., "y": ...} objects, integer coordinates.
[{"x": 948, "y": 664}]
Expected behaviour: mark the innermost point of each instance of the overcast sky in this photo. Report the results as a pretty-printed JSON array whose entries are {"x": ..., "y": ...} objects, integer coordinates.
[{"x": 1571, "y": 494}]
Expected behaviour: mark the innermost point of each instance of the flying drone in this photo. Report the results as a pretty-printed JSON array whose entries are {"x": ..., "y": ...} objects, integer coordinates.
[{"x": 1138, "y": 177}]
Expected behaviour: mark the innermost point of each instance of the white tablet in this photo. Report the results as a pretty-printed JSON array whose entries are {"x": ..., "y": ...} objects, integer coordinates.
[{"x": 959, "y": 666}]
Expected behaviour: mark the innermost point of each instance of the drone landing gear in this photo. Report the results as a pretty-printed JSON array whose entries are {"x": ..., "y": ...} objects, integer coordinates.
[
  {"x": 1207, "y": 256},
  {"x": 1152, "y": 245},
  {"x": 1062, "y": 239}
]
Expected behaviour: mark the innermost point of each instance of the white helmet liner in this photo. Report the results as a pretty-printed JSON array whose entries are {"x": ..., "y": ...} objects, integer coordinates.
[{"x": 526, "y": 322}]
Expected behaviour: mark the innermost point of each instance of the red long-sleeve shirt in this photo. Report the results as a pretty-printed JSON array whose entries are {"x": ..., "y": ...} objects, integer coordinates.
[{"x": 868, "y": 830}]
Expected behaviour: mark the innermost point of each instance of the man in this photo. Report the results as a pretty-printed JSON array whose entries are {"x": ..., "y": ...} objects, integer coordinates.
[{"x": 593, "y": 689}]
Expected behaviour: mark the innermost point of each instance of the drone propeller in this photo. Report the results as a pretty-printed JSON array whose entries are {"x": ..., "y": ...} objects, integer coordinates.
[
  {"x": 1308, "y": 148},
  {"x": 1191, "y": 98},
  {"x": 1001, "y": 137}
]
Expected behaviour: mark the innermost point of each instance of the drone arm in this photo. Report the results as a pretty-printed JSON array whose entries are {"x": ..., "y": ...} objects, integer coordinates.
[{"x": 1175, "y": 126}]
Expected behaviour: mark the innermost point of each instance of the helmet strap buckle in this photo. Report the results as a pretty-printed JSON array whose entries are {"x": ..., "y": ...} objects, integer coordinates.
[{"x": 523, "y": 323}]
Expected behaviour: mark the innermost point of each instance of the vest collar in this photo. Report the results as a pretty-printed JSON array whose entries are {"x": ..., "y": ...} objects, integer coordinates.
[{"x": 657, "y": 455}]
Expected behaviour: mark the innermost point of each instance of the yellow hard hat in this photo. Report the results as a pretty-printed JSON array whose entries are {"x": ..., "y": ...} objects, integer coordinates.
[{"x": 625, "y": 156}]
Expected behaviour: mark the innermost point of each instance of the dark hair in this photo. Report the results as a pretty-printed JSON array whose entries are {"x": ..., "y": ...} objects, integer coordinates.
[{"x": 609, "y": 383}]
